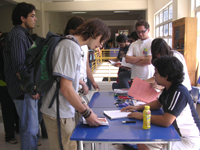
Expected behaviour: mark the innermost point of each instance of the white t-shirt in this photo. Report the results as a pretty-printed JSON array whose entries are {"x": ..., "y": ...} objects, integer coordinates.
[
  {"x": 83, "y": 73},
  {"x": 66, "y": 63},
  {"x": 186, "y": 82},
  {"x": 141, "y": 48}
]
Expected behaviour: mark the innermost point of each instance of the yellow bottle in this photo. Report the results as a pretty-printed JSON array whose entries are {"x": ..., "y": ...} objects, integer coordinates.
[{"x": 146, "y": 117}]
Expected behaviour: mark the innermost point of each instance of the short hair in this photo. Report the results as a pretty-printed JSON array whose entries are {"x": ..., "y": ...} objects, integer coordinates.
[
  {"x": 122, "y": 38},
  {"x": 134, "y": 35},
  {"x": 21, "y": 9},
  {"x": 93, "y": 28},
  {"x": 160, "y": 46},
  {"x": 171, "y": 67},
  {"x": 73, "y": 23},
  {"x": 142, "y": 23}
]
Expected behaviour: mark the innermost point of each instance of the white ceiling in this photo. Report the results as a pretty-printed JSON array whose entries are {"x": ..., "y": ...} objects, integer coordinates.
[{"x": 107, "y": 15}]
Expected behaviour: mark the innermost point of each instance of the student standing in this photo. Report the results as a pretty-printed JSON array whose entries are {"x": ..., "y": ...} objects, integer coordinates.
[
  {"x": 177, "y": 105},
  {"x": 122, "y": 41},
  {"x": 17, "y": 42},
  {"x": 85, "y": 69},
  {"x": 67, "y": 55},
  {"x": 139, "y": 53}
]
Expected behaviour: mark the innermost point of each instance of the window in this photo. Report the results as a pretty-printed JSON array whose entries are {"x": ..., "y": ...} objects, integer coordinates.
[
  {"x": 197, "y": 3},
  {"x": 163, "y": 24}
]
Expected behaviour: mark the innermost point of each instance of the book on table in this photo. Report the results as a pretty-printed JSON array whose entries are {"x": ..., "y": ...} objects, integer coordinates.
[
  {"x": 115, "y": 114},
  {"x": 103, "y": 121}
]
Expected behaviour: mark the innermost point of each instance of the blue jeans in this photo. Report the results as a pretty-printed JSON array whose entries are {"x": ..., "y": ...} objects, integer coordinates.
[
  {"x": 27, "y": 110},
  {"x": 124, "y": 79}
]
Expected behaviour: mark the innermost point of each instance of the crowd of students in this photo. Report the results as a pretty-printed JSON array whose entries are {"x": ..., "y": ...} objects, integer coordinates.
[{"x": 144, "y": 54}]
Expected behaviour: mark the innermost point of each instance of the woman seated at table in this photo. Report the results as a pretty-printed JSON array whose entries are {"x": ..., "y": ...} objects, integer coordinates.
[
  {"x": 160, "y": 48},
  {"x": 177, "y": 105}
]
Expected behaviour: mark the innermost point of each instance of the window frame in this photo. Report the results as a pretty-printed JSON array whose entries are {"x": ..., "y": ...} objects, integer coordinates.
[{"x": 166, "y": 22}]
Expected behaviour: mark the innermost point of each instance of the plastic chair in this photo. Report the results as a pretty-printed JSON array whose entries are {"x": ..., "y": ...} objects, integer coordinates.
[{"x": 195, "y": 95}]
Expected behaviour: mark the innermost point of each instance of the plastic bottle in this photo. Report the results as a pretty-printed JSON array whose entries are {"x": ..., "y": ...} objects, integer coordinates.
[{"x": 146, "y": 117}]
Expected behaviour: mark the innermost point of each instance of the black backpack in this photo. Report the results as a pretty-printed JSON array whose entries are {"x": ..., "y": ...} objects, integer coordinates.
[
  {"x": 37, "y": 75},
  {"x": 2, "y": 40}
]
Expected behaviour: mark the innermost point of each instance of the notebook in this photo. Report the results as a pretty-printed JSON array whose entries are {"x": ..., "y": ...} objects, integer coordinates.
[
  {"x": 103, "y": 121},
  {"x": 116, "y": 114}
]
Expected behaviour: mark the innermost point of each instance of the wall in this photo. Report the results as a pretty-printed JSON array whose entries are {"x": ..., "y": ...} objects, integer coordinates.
[
  {"x": 57, "y": 22},
  {"x": 5, "y": 17},
  {"x": 159, "y": 4}
]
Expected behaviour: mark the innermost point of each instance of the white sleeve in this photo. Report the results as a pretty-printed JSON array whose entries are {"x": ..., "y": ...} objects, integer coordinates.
[{"x": 130, "y": 50}]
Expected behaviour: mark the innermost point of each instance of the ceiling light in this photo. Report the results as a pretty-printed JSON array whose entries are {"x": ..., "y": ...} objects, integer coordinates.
[
  {"x": 121, "y": 11},
  {"x": 79, "y": 12}
]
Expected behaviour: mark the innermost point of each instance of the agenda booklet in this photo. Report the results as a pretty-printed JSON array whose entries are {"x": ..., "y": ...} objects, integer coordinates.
[
  {"x": 115, "y": 114},
  {"x": 103, "y": 121}
]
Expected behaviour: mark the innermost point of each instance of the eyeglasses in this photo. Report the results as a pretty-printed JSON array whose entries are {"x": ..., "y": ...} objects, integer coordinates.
[{"x": 138, "y": 32}]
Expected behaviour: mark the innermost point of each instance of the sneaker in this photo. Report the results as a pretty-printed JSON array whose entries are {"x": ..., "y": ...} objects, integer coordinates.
[
  {"x": 12, "y": 141},
  {"x": 39, "y": 143}
]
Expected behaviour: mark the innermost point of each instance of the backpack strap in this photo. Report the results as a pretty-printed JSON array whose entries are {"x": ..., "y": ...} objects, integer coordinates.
[
  {"x": 56, "y": 95},
  {"x": 58, "y": 116}
]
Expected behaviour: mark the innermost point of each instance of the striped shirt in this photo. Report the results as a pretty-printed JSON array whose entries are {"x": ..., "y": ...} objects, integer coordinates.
[
  {"x": 17, "y": 42},
  {"x": 178, "y": 102}
]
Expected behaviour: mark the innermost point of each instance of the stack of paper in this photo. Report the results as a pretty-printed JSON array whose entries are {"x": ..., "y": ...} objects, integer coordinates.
[
  {"x": 116, "y": 91},
  {"x": 142, "y": 91}
]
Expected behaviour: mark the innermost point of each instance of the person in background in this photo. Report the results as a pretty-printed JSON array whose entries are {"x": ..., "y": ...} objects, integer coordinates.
[
  {"x": 40, "y": 118},
  {"x": 176, "y": 103},
  {"x": 139, "y": 53},
  {"x": 9, "y": 113},
  {"x": 67, "y": 56},
  {"x": 122, "y": 41},
  {"x": 17, "y": 42},
  {"x": 133, "y": 37},
  {"x": 85, "y": 71},
  {"x": 159, "y": 47},
  {"x": 0, "y": 33},
  {"x": 109, "y": 44}
]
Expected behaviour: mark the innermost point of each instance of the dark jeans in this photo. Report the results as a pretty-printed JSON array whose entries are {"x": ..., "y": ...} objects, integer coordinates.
[
  {"x": 9, "y": 113},
  {"x": 41, "y": 121},
  {"x": 124, "y": 79}
]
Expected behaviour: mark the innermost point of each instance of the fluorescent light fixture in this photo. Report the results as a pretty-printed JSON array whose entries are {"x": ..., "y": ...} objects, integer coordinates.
[
  {"x": 121, "y": 11},
  {"x": 79, "y": 12}
]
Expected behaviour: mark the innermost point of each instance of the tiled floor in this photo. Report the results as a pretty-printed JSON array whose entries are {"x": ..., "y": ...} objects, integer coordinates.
[{"x": 106, "y": 86}]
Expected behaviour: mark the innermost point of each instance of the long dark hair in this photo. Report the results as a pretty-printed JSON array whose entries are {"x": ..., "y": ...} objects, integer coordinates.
[{"x": 159, "y": 46}]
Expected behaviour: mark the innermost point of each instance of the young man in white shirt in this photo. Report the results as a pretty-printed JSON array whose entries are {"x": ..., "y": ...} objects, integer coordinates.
[{"x": 139, "y": 53}]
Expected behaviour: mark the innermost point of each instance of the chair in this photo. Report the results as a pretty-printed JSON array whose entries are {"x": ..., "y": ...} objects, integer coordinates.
[{"x": 195, "y": 95}]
